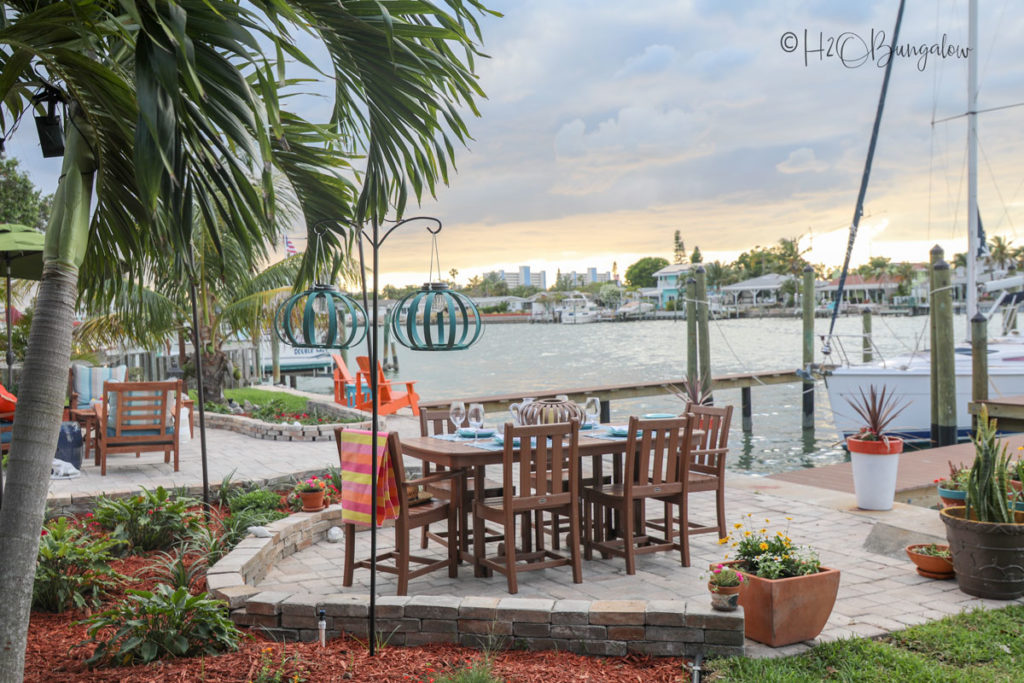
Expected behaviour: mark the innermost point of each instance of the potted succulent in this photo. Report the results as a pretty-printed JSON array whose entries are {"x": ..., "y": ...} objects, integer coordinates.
[
  {"x": 953, "y": 489},
  {"x": 986, "y": 536},
  {"x": 724, "y": 583},
  {"x": 931, "y": 559},
  {"x": 312, "y": 491},
  {"x": 787, "y": 595},
  {"x": 874, "y": 454}
]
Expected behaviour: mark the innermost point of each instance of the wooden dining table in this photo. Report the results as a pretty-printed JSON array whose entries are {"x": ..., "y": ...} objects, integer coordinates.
[{"x": 463, "y": 455}]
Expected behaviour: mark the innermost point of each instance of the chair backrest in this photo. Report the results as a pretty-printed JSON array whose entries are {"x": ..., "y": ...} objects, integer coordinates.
[
  {"x": 6, "y": 430},
  {"x": 654, "y": 449},
  {"x": 708, "y": 456},
  {"x": 398, "y": 467},
  {"x": 144, "y": 410},
  {"x": 546, "y": 454},
  {"x": 435, "y": 421},
  {"x": 383, "y": 386},
  {"x": 85, "y": 382},
  {"x": 341, "y": 370}
]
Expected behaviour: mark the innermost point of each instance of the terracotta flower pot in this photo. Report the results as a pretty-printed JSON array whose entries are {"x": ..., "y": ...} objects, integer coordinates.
[
  {"x": 312, "y": 501},
  {"x": 930, "y": 566},
  {"x": 988, "y": 557},
  {"x": 724, "y": 598},
  {"x": 780, "y": 612},
  {"x": 875, "y": 464},
  {"x": 951, "y": 497}
]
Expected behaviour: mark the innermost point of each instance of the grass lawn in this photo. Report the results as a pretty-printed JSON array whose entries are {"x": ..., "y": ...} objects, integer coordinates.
[
  {"x": 292, "y": 403},
  {"x": 975, "y": 646}
]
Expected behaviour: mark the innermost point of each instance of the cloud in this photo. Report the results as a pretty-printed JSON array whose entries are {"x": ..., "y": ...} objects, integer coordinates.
[
  {"x": 801, "y": 161},
  {"x": 713, "y": 65},
  {"x": 654, "y": 59}
]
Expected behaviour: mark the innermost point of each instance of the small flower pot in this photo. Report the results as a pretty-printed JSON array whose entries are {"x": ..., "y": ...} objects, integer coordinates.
[
  {"x": 875, "y": 464},
  {"x": 312, "y": 501},
  {"x": 930, "y": 566},
  {"x": 725, "y": 598},
  {"x": 951, "y": 497}
]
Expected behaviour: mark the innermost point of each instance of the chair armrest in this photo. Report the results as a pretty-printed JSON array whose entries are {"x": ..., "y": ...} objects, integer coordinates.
[{"x": 436, "y": 476}]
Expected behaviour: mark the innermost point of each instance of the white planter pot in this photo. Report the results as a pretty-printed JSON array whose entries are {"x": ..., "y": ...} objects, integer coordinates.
[{"x": 874, "y": 480}]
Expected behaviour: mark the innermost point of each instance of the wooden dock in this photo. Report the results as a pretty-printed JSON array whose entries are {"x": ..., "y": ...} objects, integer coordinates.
[{"x": 1008, "y": 411}]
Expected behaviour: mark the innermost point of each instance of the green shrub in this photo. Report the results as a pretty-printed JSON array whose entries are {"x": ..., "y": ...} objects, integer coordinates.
[
  {"x": 180, "y": 569},
  {"x": 152, "y": 520},
  {"x": 73, "y": 568},
  {"x": 259, "y": 500},
  {"x": 216, "y": 538},
  {"x": 164, "y": 623}
]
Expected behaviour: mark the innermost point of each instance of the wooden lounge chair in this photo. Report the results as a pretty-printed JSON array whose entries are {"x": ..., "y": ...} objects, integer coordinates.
[
  {"x": 656, "y": 466},
  {"x": 136, "y": 417},
  {"x": 390, "y": 399},
  {"x": 543, "y": 449},
  {"x": 398, "y": 561}
]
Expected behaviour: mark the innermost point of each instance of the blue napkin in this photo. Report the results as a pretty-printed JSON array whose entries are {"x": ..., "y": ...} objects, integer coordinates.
[
  {"x": 659, "y": 416},
  {"x": 470, "y": 433}
]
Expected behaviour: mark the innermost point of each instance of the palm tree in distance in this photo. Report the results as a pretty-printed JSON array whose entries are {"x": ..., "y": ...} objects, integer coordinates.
[{"x": 175, "y": 110}]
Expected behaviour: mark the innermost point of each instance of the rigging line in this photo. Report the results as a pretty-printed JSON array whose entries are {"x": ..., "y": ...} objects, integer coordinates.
[
  {"x": 987, "y": 110},
  {"x": 991, "y": 45},
  {"x": 859, "y": 208},
  {"x": 995, "y": 184},
  {"x": 743, "y": 365}
]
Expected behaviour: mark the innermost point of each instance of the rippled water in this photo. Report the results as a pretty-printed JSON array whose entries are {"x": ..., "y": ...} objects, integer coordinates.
[{"x": 524, "y": 358}]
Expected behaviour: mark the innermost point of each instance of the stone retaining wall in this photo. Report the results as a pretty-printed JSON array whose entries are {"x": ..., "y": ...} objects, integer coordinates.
[
  {"x": 604, "y": 627},
  {"x": 269, "y": 431}
]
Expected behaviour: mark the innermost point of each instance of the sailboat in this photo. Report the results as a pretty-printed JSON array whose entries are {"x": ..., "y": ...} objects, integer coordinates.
[{"x": 909, "y": 375}]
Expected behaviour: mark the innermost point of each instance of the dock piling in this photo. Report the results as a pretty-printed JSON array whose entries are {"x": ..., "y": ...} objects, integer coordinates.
[
  {"x": 691, "y": 329},
  {"x": 865, "y": 322},
  {"x": 703, "y": 340},
  {"x": 979, "y": 360},
  {"x": 746, "y": 410},
  {"x": 943, "y": 369},
  {"x": 807, "y": 300},
  {"x": 935, "y": 256}
]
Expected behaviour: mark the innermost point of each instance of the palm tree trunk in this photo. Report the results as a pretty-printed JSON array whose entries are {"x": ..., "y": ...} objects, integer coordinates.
[{"x": 41, "y": 397}]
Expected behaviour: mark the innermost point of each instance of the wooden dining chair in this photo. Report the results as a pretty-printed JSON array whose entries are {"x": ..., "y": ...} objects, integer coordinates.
[
  {"x": 543, "y": 449},
  {"x": 138, "y": 416},
  {"x": 400, "y": 560},
  {"x": 653, "y": 471},
  {"x": 435, "y": 421}
]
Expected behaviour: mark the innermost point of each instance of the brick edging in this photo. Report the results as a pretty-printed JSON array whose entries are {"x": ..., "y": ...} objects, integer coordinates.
[{"x": 598, "y": 627}]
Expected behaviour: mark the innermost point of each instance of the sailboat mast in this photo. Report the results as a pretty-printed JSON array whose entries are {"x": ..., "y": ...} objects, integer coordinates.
[{"x": 973, "y": 246}]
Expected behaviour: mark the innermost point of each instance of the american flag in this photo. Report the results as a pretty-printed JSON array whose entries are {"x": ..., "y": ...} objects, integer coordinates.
[{"x": 289, "y": 247}]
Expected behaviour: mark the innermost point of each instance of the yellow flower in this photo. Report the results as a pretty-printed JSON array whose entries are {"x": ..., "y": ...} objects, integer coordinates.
[
  {"x": 747, "y": 533},
  {"x": 763, "y": 546},
  {"x": 723, "y": 541},
  {"x": 763, "y": 531},
  {"x": 779, "y": 534},
  {"x": 791, "y": 519},
  {"x": 767, "y": 521},
  {"x": 737, "y": 525}
]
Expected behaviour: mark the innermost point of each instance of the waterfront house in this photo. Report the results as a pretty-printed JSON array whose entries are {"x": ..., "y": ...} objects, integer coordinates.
[
  {"x": 671, "y": 282},
  {"x": 759, "y": 291},
  {"x": 862, "y": 290}
]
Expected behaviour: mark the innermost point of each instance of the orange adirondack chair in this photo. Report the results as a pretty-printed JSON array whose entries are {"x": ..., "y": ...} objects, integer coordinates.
[
  {"x": 347, "y": 391},
  {"x": 390, "y": 399}
]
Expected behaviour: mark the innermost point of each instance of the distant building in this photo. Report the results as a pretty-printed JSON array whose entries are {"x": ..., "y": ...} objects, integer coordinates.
[
  {"x": 588, "y": 278},
  {"x": 525, "y": 277},
  {"x": 671, "y": 282}
]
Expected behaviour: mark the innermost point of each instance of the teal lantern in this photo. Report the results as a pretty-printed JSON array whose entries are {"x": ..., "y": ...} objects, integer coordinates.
[
  {"x": 320, "y": 318},
  {"x": 437, "y": 319}
]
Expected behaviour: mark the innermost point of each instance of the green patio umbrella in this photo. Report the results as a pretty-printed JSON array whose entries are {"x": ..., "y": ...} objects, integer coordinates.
[{"x": 21, "y": 253}]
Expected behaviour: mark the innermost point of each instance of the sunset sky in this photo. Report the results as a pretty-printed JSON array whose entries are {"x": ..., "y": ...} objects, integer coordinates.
[{"x": 610, "y": 125}]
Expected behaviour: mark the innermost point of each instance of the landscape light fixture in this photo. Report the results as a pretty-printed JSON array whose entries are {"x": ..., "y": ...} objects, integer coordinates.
[{"x": 48, "y": 127}]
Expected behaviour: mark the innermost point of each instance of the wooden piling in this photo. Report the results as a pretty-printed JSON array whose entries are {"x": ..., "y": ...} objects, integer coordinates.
[
  {"x": 935, "y": 256},
  {"x": 275, "y": 357},
  {"x": 943, "y": 358},
  {"x": 703, "y": 339},
  {"x": 808, "y": 328},
  {"x": 979, "y": 360},
  {"x": 747, "y": 410},
  {"x": 691, "y": 329},
  {"x": 865, "y": 347}
]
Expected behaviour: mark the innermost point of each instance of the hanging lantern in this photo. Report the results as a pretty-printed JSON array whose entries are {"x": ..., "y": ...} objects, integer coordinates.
[
  {"x": 437, "y": 320},
  {"x": 320, "y": 318}
]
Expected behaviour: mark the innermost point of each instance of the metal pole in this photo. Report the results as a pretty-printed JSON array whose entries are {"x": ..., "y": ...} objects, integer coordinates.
[
  {"x": 979, "y": 360},
  {"x": 371, "y": 343},
  {"x": 10, "y": 351},
  {"x": 943, "y": 356},
  {"x": 201, "y": 397},
  {"x": 935, "y": 257},
  {"x": 807, "y": 304},
  {"x": 972, "y": 162}
]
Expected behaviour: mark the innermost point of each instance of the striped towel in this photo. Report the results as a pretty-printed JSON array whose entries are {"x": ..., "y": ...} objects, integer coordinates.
[{"x": 356, "y": 490}]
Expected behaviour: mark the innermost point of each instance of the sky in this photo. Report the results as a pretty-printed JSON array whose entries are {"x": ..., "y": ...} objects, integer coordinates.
[{"x": 610, "y": 125}]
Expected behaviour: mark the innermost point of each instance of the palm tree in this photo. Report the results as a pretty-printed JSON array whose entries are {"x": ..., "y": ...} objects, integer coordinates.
[
  {"x": 1000, "y": 253},
  {"x": 174, "y": 109}
]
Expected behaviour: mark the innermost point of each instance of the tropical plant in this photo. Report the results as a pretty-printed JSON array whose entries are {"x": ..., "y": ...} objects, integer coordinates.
[
  {"x": 770, "y": 556},
  {"x": 957, "y": 479},
  {"x": 167, "y": 622},
  {"x": 311, "y": 485},
  {"x": 260, "y": 500},
  {"x": 878, "y": 408},
  {"x": 988, "y": 484},
  {"x": 722, "y": 576},
  {"x": 20, "y": 201},
  {"x": 151, "y": 520},
  {"x": 933, "y": 550},
  {"x": 694, "y": 389},
  {"x": 174, "y": 109},
  {"x": 183, "y": 568},
  {"x": 73, "y": 568}
]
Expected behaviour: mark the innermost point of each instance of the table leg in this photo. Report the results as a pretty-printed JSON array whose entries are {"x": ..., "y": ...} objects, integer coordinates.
[{"x": 479, "y": 528}]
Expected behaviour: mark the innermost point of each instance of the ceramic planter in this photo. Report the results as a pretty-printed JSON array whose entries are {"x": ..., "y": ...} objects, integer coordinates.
[
  {"x": 780, "y": 612},
  {"x": 724, "y": 598},
  {"x": 951, "y": 497},
  {"x": 930, "y": 566},
  {"x": 312, "y": 501},
  {"x": 988, "y": 557},
  {"x": 875, "y": 464}
]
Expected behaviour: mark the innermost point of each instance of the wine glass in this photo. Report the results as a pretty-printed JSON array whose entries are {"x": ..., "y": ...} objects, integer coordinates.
[
  {"x": 592, "y": 409},
  {"x": 476, "y": 417},
  {"x": 457, "y": 414}
]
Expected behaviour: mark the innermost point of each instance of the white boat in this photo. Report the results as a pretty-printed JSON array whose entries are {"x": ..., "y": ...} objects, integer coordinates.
[
  {"x": 577, "y": 310},
  {"x": 634, "y": 309},
  {"x": 908, "y": 376},
  {"x": 296, "y": 359}
]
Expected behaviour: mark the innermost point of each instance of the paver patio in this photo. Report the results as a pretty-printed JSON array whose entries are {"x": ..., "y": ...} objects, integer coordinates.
[{"x": 879, "y": 590}]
